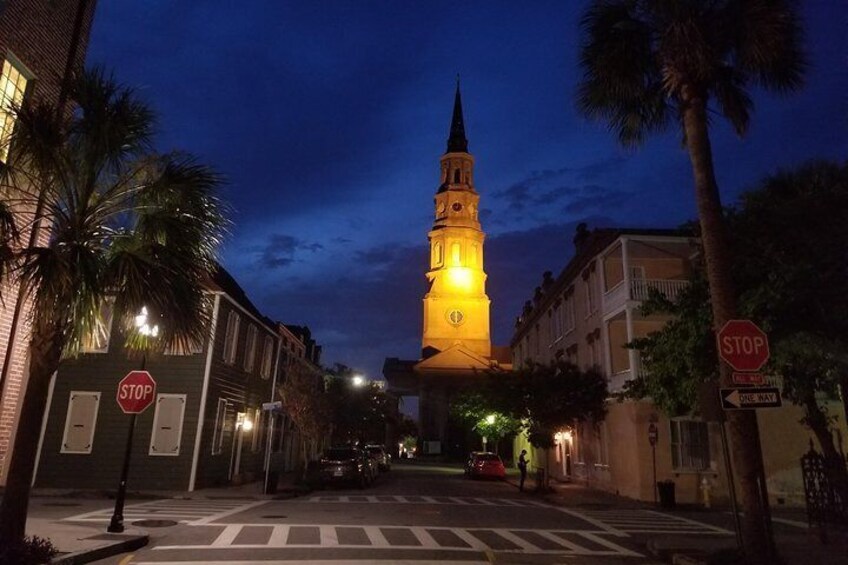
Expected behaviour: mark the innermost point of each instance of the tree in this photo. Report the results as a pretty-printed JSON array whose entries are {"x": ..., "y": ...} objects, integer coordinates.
[
  {"x": 307, "y": 404},
  {"x": 789, "y": 266},
  {"x": 124, "y": 222},
  {"x": 647, "y": 62},
  {"x": 477, "y": 412}
]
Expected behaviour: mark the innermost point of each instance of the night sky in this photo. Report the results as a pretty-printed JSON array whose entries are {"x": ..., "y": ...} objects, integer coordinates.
[{"x": 328, "y": 120}]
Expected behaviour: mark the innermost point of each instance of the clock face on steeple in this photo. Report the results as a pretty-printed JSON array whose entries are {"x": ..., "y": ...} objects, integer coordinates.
[{"x": 456, "y": 207}]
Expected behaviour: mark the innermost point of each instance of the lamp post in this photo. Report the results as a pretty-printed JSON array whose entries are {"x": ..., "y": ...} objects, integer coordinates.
[
  {"x": 116, "y": 524},
  {"x": 358, "y": 381}
]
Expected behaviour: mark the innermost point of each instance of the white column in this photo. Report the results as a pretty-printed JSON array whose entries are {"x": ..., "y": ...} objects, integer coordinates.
[
  {"x": 625, "y": 265},
  {"x": 632, "y": 354}
]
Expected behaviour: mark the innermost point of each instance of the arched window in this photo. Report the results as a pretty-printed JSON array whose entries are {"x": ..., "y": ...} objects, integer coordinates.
[
  {"x": 473, "y": 260},
  {"x": 456, "y": 254},
  {"x": 456, "y": 175},
  {"x": 438, "y": 254}
]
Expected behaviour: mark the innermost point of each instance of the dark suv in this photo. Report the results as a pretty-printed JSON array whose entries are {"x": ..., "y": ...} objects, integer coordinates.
[
  {"x": 341, "y": 465},
  {"x": 379, "y": 453}
]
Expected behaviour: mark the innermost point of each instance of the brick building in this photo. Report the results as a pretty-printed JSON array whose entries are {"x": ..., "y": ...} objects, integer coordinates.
[{"x": 41, "y": 43}]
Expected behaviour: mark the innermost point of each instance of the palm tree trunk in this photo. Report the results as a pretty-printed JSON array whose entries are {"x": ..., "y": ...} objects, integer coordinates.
[
  {"x": 45, "y": 353},
  {"x": 744, "y": 434}
]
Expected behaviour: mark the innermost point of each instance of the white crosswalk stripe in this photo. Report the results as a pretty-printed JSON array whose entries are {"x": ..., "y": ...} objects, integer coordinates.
[
  {"x": 510, "y": 540},
  {"x": 439, "y": 500},
  {"x": 636, "y": 521},
  {"x": 195, "y": 511}
]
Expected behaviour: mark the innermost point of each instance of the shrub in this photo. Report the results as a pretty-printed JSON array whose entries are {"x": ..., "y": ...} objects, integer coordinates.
[{"x": 33, "y": 550}]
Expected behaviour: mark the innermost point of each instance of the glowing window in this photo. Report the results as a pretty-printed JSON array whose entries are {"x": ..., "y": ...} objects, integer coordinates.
[
  {"x": 473, "y": 260},
  {"x": 12, "y": 88},
  {"x": 438, "y": 254},
  {"x": 456, "y": 254}
]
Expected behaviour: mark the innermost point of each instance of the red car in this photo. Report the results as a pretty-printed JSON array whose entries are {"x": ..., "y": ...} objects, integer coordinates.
[{"x": 485, "y": 465}]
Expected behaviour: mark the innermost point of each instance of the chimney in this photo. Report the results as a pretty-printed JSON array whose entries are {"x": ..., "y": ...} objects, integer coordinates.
[
  {"x": 547, "y": 280},
  {"x": 580, "y": 237}
]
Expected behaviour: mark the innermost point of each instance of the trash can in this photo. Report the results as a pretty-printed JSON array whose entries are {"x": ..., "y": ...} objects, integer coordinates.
[
  {"x": 273, "y": 479},
  {"x": 665, "y": 489}
]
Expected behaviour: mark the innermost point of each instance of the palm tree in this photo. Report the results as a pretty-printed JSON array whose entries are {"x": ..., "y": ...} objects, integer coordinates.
[
  {"x": 125, "y": 224},
  {"x": 648, "y": 62}
]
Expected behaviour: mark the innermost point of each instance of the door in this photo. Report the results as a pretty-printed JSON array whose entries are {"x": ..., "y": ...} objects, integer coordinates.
[{"x": 567, "y": 459}]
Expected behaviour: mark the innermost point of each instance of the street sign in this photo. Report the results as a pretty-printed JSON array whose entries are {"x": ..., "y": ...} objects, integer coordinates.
[
  {"x": 749, "y": 398},
  {"x": 136, "y": 392},
  {"x": 273, "y": 406},
  {"x": 742, "y": 345},
  {"x": 749, "y": 379}
]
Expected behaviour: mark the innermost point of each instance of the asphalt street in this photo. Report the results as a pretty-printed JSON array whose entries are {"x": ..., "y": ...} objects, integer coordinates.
[{"x": 413, "y": 514}]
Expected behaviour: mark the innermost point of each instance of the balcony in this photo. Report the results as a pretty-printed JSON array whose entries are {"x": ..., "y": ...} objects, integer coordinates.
[{"x": 639, "y": 289}]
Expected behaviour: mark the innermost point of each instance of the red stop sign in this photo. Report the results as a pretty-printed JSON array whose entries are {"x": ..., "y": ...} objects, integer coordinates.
[
  {"x": 742, "y": 345},
  {"x": 136, "y": 392}
]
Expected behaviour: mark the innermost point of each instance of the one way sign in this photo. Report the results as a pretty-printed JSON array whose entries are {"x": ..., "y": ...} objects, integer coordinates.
[{"x": 749, "y": 398}]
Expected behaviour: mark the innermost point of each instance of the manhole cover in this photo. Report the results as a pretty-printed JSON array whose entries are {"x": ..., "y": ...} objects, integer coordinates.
[
  {"x": 275, "y": 517},
  {"x": 60, "y": 504},
  {"x": 154, "y": 523}
]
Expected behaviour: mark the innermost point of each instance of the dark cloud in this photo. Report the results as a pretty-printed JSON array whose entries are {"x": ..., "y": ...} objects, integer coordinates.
[{"x": 281, "y": 249}]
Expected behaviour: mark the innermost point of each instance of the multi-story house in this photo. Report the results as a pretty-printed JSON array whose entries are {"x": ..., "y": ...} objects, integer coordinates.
[
  {"x": 587, "y": 315},
  {"x": 206, "y": 426},
  {"x": 41, "y": 45}
]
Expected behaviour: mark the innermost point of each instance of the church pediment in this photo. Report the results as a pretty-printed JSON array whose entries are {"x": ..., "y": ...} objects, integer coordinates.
[{"x": 456, "y": 357}]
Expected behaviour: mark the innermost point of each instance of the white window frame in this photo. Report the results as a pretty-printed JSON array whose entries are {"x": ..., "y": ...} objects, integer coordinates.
[
  {"x": 152, "y": 451},
  {"x": 267, "y": 358},
  {"x": 86, "y": 451},
  {"x": 603, "y": 445},
  {"x": 220, "y": 427},
  {"x": 569, "y": 314},
  {"x": 231, "y": 337},
  {"x": 6, "y": 117},
  {"x": 250, "y": 348},
  {"x": 681, "y": 449}
]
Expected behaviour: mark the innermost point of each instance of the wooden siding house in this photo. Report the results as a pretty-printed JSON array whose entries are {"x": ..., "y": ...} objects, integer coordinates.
[{"x": 206, "y": 427}]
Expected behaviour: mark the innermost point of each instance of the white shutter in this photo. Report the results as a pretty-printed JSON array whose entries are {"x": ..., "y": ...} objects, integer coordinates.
[
  {"x": 80, "y": 422},
  {"x": 167, "y": 424}
]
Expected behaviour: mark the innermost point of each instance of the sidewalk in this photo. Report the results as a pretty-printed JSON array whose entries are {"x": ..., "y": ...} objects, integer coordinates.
[
  {"x": 796, "y": 544},
  {"x": 86, "y": 543}
]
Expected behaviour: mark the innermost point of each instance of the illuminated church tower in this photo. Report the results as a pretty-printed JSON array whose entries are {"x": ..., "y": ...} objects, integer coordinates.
[{"x": 456, "y": 308}]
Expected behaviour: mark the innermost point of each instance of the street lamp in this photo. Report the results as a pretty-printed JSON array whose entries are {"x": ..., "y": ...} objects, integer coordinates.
[
  {"x": 358, "y": 380},
  {"x": 116, "y": 524},
  {"x": 490, "y": 419}
]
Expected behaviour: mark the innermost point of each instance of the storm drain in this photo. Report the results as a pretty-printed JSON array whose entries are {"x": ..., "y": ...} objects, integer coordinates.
[
  {"x": 275, "y": 517},
  {"x": 154, "y": 523}
]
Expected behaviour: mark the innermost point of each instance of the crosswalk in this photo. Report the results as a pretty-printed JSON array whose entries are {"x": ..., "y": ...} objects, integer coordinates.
[
  {"x": 638, "y": 521},
  {"x": 443, "y": 500},
  {"x": 194, "y": 512},
  {"x": 302, "y": 536}
]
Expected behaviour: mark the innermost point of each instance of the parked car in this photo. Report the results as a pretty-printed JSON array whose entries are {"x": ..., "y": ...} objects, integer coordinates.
[
  {"x": 485, "y": 465},
  {"x": 383, "y": 458},
  {"x": 342, "y": 465}
]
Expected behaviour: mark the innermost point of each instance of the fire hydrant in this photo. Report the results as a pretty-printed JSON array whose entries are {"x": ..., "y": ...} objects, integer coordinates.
[{"x": 706, "y": 487}]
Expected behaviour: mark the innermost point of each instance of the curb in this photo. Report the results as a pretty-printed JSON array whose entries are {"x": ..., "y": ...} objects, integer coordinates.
[{"x": 130, "y": 543}]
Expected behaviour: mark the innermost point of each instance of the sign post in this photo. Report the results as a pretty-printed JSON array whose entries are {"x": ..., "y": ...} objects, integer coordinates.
[
  {"x": 653, "y": 436},
  {"x": 136, "y": 392}
]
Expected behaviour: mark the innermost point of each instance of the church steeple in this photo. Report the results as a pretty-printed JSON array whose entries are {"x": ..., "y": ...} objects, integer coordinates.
[
  {"x": 457, "y": 142},
  {"x": 456, "y": 307}
]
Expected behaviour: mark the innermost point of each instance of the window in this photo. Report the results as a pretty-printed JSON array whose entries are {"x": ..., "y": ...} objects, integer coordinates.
[
  {"x": 456, "y": 254},
  {"x": 167, "y": 425},
  {"x": 556, "y": 323},
  {"x": 258, "y": 429},
  {"x": 591, "y": 293},
  {"x": 690, "y": 446},
  {"x": 231, "y": 339},
  {"x": 569, "y": 314},
  {"x": 220, "y": 423},
  {"x": 577, "y": 447},
  {"x": 13, "y": 84},
  {"x": 538, "y": 339},
  {"x": 250, "y": 349},
  {"x": 267, "y": 357},
  {"x": 98, "y": 340},
  {"x": 438, "y": 254},
  {"x": 637, "y": 272},
  {"x": 80, "y": 422},
  {"x": 473, "y": 260},
  {"x": 456, "y": 175}
]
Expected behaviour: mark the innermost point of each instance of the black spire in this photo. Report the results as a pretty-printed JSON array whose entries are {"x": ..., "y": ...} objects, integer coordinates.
[{"x": 457, "y": 143}]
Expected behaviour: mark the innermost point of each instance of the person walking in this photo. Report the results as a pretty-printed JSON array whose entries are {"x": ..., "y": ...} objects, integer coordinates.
[{"x": 522, "y": 468}]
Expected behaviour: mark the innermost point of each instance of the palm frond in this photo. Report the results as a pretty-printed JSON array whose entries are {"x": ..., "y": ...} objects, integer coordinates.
[{"x": 735, "y": 104}]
